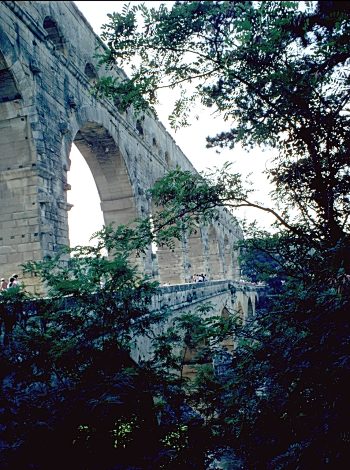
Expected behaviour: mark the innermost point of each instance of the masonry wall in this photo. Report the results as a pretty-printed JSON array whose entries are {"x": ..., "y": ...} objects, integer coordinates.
[
  {"x": 47, "y": 66},
  {"x": 225, "y": 297}
]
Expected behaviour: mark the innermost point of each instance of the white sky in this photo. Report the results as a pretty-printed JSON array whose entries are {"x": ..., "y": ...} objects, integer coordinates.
[{"x": 86, "y": 217}]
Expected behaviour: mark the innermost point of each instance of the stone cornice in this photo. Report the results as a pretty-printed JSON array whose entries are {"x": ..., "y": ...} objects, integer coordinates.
[{"x": 27, "y": 19}]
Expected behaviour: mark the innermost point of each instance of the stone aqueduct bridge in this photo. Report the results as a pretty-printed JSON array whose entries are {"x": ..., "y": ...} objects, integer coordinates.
[
  {"x": 224, "y": 296},
  {"x": 47, "y": 67}
]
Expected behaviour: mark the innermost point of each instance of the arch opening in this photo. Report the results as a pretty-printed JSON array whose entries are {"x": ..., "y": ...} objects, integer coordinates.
[
  {"x": 139, "y": 127},
  {"x": 109, "y": 179},
  {"x": 8, "y": 87},
  {"x": 85, "y": 216},
  {"x": 53, "y": 33},
  {"x": 91, "y": 73}
]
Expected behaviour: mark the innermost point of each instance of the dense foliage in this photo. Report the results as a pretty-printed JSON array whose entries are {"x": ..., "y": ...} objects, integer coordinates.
[
  {"x": 278, "y": 72},
  {"x": 72, "y": 396}
]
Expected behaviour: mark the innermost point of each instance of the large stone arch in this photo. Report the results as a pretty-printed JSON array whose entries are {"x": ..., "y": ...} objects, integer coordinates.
[
  {"x": 97, "y": 140},
  {"x": 108, "y": 168},
  {"x": 55, "y": 108},
  {"x": 121, "y": 199}
]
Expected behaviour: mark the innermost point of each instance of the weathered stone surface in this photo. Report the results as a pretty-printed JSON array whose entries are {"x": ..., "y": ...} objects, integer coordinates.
[
  {"x": 47, "y": 66},
  {"x": 224, "y": 296}
]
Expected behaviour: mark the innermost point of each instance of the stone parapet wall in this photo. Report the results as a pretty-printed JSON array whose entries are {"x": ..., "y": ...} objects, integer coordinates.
[
  {"x": 226, "y": 297},
  {"x": 178, "y": 296}
]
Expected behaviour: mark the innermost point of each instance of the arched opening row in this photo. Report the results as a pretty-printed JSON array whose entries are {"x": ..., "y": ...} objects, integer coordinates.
[
  {"x": 202, "y": 255},
  {"x": 56, "y": 38},
  {"x": 198, "y": 257}
]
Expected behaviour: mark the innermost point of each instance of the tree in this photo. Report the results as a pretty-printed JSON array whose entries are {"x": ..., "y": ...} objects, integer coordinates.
[
  {"x": 71, "y": 394},
  {"x": 278, "y": 72},
  {"x": 262, "y": 262}
]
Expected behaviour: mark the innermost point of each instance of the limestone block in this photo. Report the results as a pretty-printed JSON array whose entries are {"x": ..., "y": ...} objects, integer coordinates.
[
  {"x": 29, "y": 247},
  {"x": 15, "y": 258},
  {"x": 25, "y": 215},
  {"x": 32, "y": 256},
  {"x": 117, "y": 205}
]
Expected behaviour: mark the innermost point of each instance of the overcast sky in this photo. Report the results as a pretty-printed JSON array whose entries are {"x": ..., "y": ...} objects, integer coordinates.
[{"x": 86, "y": 217}]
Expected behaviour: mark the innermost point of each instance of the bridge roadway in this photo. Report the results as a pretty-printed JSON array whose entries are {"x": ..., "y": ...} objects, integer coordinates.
[
  {"x": 180, "y": 296},
  {"x": 225, "y": 296}
]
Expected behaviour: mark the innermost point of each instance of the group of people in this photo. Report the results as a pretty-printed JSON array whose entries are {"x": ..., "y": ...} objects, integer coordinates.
[
  {"x": 11, "y": 282},
  {"x": 199, "y": 278}
]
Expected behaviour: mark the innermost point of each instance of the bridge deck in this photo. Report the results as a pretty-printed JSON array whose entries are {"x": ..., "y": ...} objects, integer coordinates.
[{"x": 178, "y": 296}]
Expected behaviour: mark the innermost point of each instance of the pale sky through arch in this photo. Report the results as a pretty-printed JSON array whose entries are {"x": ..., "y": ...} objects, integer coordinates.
[{"x": 85, "y": 217}]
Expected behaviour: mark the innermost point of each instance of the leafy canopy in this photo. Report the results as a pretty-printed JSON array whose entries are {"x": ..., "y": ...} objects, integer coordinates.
[{"x": 276, "y": 71}]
